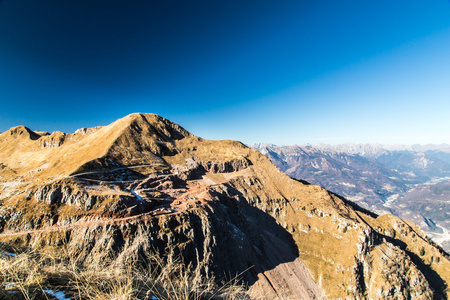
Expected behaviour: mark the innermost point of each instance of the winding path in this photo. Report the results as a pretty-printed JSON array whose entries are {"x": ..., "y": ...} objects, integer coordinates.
[{"x": 89, "y": 223}]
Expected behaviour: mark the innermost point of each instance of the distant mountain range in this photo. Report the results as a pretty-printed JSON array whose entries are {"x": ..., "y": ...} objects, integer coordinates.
[
  {"x": 412, "y": 182},
  {"x": 113, "y": 196}
]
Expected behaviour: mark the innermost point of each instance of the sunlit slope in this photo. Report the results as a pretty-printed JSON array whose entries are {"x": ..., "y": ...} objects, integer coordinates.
[
  {"x": 209, "y": 200},
  {"x": 135, "y": 139}
]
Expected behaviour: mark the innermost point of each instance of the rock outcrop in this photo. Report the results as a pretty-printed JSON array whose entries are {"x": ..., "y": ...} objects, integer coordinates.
[
  {"x": 144, "y": 184},
  {"x": 411, "y": 182}
]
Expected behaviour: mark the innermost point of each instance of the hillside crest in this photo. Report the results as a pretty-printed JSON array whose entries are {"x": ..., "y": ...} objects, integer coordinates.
[{"x": 113, "y": 194}]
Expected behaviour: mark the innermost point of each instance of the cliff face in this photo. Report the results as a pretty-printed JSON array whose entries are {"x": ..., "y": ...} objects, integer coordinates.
[
  {"x": 411, "y": 182},
  {"x": 144, "y": 184}
]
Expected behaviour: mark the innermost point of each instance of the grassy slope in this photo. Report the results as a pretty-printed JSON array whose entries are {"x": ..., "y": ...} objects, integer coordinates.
[{"x": 326, "y": 228}]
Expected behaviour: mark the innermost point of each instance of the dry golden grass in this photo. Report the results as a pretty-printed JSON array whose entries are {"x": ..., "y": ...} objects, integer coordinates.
[
  {"x": 416, "y": 242},
  {"x": 325, "y": 228},
  {"x": 27, "y": 274}
]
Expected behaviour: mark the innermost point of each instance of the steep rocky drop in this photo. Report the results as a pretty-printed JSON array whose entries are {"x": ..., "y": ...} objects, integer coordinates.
[{"x": 143, "y": 184}]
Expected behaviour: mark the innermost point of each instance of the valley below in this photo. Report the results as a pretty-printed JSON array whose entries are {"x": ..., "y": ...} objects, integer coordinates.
[
  {"x": 113, "y": 197},
  {"x": 411, "y": 182}
]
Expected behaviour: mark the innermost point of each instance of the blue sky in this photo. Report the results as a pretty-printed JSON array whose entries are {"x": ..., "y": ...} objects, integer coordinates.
[{"x": 282, "y": 72}]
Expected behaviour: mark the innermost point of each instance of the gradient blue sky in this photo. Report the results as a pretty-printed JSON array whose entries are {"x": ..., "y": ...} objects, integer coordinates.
[{"x": 283, "y": 72}]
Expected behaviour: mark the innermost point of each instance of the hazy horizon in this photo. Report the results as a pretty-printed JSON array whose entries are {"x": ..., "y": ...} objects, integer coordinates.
[{"x": 350, "y": 143}]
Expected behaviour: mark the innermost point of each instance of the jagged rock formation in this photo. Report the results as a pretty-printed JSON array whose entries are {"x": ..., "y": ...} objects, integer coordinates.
[
  {"x": 412, "y": 182},
  {"x": 145, "y": 184}
]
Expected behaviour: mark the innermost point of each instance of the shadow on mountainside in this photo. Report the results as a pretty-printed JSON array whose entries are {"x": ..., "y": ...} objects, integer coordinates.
[
  {"x": 435, "y": 281},
  {"x": 224, "y": 236},
  {"x": 249, "y": 241},
  {"x": 433, "y": 278},
  {"x": 355, "y": 206},
  {"x": 107, "y": 170}
]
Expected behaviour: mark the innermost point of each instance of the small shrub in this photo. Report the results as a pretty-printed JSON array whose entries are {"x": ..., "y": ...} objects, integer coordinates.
[{"x": 422, "y": 251}]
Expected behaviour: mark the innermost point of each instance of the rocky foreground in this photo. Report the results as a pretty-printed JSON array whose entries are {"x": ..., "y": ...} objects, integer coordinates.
[{"x": 144, "y": 184}]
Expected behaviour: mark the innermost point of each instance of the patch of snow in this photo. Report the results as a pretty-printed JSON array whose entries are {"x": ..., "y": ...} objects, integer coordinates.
[
  {"x": 8, "y": 254},
  {"x": 389, "y": 187},
  {"x": 410, "y": 174},
  {"x": 137, "y": 196},
  {"x": 437, "y": 180},
  {"x": 315, "y": 165},
  {"x": 390, "y": 200},
  {"x": 440, "y": 238},
  {"x": 356, "y": 198},
  {"x": 58, "y": 295},
  {"x": 9, "y": 285},
  {"x": 348, "y": 184}
]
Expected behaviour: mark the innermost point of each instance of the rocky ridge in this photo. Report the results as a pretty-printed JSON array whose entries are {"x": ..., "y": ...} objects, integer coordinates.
[
  {"x": 144, "y": 184},
  {"x": 408, "y": 181}
]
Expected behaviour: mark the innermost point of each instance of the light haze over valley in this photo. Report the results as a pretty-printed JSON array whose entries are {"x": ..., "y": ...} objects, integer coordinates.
[{"x": 412, "y": 182}]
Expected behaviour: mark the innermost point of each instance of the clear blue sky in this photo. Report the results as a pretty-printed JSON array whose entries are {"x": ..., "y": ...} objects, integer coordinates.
[{"x": 283, "y": 72}]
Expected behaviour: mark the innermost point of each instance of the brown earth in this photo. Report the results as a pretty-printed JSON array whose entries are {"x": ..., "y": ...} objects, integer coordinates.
[{"x": 145, "y": 184}]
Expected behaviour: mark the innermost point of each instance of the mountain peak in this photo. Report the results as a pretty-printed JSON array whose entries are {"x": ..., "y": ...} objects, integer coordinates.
[
  {"x": 152, "y": 123},
  {"x": 22, "y": 131},
  {"x": 136, "y": 139},
  {"x": 143, "y": 183}
]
